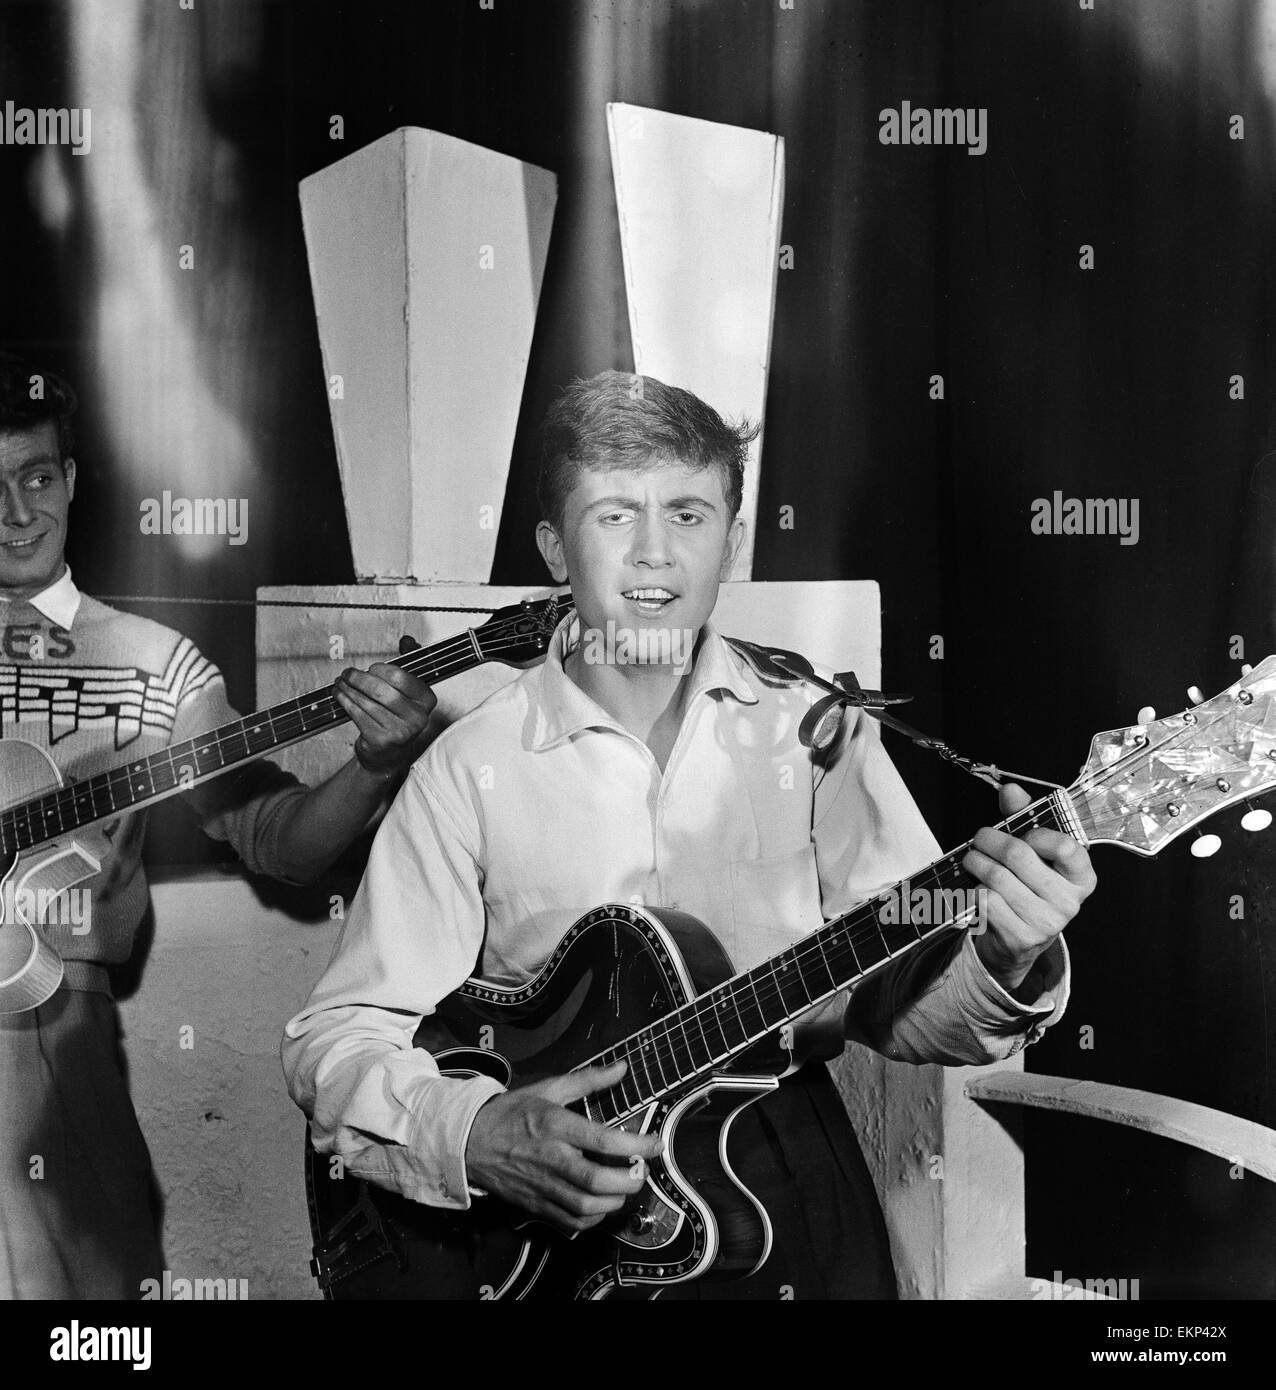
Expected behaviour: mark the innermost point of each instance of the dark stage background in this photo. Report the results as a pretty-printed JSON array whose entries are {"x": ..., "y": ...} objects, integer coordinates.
[{"x": 1107, "y": 127}]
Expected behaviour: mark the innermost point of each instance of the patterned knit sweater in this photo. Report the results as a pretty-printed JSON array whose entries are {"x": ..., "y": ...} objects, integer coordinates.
[{"x": 111, "y": 689}]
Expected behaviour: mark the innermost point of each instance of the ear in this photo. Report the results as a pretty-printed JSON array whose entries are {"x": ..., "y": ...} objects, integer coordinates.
[
  {"x": 68, "y": 472},
  {"x": 550, "y": 545},
  {"x": 731, "y": 548}
]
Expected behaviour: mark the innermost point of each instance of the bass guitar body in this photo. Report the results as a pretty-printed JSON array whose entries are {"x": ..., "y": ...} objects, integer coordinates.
[
  {"x": 618, "y": 970},
  {"x": 34, "y": 883}
]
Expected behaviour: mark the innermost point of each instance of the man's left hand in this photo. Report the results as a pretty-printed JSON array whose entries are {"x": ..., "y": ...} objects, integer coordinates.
[
  {"x": 1036, "y": 886},
  {"x": 391, "y": 709}
]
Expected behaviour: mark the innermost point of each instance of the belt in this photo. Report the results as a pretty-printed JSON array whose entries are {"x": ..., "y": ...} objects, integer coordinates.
[{"x": 87, "y": 976}]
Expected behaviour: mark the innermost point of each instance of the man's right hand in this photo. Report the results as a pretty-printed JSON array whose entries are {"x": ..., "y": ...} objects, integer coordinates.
[{"x": 528, "y": 1148}]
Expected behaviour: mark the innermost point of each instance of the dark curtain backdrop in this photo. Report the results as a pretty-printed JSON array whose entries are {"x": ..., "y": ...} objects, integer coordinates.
[{"x": 1108, "y": 128}]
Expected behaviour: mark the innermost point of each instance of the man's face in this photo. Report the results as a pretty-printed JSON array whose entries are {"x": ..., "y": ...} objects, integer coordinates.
[
  {"x": 35, "y": 495},
  {"x": 644, "y": 549}
]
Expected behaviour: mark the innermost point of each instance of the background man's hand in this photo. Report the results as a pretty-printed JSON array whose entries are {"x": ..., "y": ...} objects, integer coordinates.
[
  {"x": 391, "y": 709},
  {"x": 528, "y": 1148},
  {"x": 1036, "y": 886}
]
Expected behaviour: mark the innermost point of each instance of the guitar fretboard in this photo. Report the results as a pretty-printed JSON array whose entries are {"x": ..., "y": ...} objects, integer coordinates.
[
  {"x": 718, "y": 1026},
  {"x": 181, "y": 766}
]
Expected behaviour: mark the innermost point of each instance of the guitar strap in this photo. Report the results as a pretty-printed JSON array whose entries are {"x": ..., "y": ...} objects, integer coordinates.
[{"x": 780, "y": 667}]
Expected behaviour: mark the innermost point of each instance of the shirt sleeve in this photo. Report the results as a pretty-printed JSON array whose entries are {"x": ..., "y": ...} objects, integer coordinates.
[
  {"x": 413, "y": 934},
  {"x": 936, "y": 1003},
  {"x": 248, "y": 807}
]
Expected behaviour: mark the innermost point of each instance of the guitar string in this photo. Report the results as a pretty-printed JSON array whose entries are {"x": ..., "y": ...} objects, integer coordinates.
[
  {"x": 729, "y": 991},
  {"x": 285, "y": 720},
  {"x": 308, "y": 714},
  {"x": 837, "y": 936}
]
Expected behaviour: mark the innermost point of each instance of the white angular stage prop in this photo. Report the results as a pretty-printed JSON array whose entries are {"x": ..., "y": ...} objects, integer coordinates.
[
  {"x": 700, "y": 206},
  {"x": 427, "y": 255}
]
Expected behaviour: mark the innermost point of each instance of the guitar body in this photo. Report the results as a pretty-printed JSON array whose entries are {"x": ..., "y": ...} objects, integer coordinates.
[
  {"x": 30, "y": 969},
  {"x": 616, "y": 971}
]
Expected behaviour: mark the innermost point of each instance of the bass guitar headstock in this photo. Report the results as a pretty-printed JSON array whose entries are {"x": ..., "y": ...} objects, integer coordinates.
[
  {"x": 1146, "y": 785},
  {"x": 519, "y": 635}
]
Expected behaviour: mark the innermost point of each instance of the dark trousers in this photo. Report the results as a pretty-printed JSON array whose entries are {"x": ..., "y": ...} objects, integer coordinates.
[
  {"x": 78, "y": 1210},
  {"x": 796, "y": 1152}
]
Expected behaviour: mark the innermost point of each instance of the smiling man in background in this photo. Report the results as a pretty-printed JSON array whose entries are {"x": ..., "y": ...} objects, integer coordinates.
[{"x": 95, "y": 688}]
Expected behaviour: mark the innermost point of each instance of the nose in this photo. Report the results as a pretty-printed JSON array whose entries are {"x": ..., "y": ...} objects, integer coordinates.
[
  {"x": 650, "y": 544},
  {"x": 17, "y": 508}
]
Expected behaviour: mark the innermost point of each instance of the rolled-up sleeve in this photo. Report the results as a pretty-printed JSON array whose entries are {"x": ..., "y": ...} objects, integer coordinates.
[
  {"x": 935, "y": 1003},
  {"x": 412, "y": 935}
]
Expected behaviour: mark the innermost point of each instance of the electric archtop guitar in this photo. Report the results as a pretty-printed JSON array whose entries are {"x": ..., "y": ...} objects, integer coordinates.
[
  {"x": 654, "y": 989},
  {"x": 43, "y": 856}
]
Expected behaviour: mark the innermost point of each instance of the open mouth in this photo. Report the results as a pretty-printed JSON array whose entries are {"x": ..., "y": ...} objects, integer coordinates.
[{"x": 653, "y": 600}]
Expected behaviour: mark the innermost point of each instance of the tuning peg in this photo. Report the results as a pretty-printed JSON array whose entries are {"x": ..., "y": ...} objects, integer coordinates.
[
  {"x": 1195, "y": 695},
  {"x": 1146, "y": 715},
  {"x": 1255, "y": 819},
  {"x": 1205, "y": 845},
  {"x": 1246, "y": 669}
]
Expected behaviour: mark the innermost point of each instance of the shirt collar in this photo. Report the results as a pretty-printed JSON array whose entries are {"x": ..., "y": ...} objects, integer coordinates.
[
  {"x": 59, "y": 602},
  {"x": 562, "y": 708}
]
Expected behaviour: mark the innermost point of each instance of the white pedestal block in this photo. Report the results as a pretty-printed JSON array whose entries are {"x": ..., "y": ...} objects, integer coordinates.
[
  {"x": 700, "y": 206},
  {"x": 426, "y": 256}
]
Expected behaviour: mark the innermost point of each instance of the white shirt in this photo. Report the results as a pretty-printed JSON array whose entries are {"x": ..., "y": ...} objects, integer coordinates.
[
  {"x": 59, "y": 602},
  {"x": 538, "y": 806}
]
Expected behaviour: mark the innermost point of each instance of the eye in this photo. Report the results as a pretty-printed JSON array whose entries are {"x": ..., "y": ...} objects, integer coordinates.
[
  {"x": 688, "y": 518},
  {"x": 37, "y": 482},
  {"x": 614, "y": 518}
]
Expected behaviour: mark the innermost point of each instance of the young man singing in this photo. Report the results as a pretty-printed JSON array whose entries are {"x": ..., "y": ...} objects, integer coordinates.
[
  {"x": 96, "y": 688},
  {"x": 659, "y": 782}
]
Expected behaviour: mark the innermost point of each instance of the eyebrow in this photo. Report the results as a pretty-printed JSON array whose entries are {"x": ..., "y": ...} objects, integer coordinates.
[
  {"x": 41, "y": 461},
  {"x": 674, "y": 504}
]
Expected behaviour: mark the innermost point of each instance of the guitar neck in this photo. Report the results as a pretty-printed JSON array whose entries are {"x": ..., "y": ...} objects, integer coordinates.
[
  {"x": 717, "y": 1027},
  {"x": 180, "y": 766}
]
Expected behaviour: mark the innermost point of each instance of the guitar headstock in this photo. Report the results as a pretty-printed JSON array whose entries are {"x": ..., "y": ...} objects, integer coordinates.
[
  {"x": 519, "y": 635},
  {"x": 1145, "y": 785}
]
